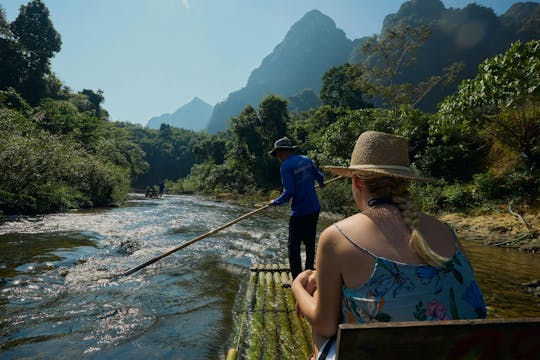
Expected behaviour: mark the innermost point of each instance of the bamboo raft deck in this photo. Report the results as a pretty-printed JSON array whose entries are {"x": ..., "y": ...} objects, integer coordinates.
[{"x": 266, "y": 325}]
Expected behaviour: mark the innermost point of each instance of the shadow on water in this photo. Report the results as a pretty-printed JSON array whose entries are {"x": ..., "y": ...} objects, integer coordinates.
[
  {"x": 501, "y": 273},
  {"x": 32, "y": 252}
]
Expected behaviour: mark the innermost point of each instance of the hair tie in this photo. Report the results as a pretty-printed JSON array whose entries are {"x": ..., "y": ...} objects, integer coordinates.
[{"x": 378, "y": 201}]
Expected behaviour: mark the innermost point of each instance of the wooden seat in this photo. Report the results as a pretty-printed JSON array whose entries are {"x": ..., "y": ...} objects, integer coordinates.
[{"x": 453, "y": 339}]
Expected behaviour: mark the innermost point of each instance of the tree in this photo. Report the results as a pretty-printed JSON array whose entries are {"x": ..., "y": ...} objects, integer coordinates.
[
  {"x": 246, "y": 128},
  {"x": 303, "y": 101},
  {"x": 388, "y": 56},
  {"x": 95, "y": 99},
  {"x": 273, "y": 119},
  {"x": 11, "y": 57},
  {"x": 4, "y": 25},
  {"x": 503, "y": 100},
  {"x": 35, "y": 33},
  {"x": 342, "y": 88}
]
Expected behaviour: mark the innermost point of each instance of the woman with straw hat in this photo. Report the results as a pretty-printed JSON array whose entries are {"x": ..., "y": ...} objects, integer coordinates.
[{"x": 390, "y": 261}]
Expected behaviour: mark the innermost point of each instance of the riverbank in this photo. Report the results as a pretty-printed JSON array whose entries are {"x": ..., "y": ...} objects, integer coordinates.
[
  {"x": 490, "y": 228},
  {"x": 498, "y": 229}
]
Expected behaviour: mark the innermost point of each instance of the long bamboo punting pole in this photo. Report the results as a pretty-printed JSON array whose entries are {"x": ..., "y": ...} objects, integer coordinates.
[{"x": 200, "y": 237}]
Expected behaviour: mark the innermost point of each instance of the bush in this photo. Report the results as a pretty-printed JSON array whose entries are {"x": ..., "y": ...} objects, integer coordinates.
[
  {"x": 429, "y": 197},
  {"x": 433, "y": 197},
  {"x": 457, "y": 197},
  {"x": 522, "y": 183},
  {"x": 487, "y": 186},
  {"x": 446, "y": 161},
  {"x": 337, "y": 198},
  {"x": 12, "y": 100},
  {"x": 59, "y": 198},
  {"x": 11, "y": 203}
]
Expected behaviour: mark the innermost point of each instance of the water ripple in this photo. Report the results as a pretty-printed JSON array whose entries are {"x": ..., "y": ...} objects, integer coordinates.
[{"x": 63, "y": 293}]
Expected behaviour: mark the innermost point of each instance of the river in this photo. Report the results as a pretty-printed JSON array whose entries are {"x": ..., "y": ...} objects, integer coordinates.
[{"x": 61, "y": 297}]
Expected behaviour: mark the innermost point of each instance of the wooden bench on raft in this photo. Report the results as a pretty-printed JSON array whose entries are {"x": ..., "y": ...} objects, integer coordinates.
[
  {"x": 447, "y": 339},
  {"x": 266, "y": 327}
]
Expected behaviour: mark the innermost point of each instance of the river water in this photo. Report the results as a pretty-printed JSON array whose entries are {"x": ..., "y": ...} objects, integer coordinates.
[{"x": 60, "y": 296}]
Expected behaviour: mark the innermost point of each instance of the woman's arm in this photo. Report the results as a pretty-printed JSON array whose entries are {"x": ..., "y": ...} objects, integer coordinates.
[{"x": 323, "y": 310}]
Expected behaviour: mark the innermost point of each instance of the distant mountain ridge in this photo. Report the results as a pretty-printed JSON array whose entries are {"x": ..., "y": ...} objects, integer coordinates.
[
  {"x": 312, "y": 46},
  {"x": 191, "y": 116},
  {"x": 469, "y": 35}
]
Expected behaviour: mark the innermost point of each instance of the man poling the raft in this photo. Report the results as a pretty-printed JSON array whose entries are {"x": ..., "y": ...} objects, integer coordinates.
[{"x": 298, "y": 175}]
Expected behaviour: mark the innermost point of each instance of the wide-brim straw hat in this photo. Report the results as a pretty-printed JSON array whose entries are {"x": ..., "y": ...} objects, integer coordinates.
[
  {"x": 378, "y": 153},
  {"x": 282, "y": 144}
]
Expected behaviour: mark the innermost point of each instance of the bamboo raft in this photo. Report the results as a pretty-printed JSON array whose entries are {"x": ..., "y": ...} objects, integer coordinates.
[
  {"x": 266, "y": 327},
  {"x": 265, "y": 324}
]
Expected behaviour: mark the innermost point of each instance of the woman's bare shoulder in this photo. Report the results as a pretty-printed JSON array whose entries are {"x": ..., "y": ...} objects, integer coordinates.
[
  {"x": 351, "y": 227},
  {"x": 335, "y": 230},
  {"x": 355, "y": 221}
]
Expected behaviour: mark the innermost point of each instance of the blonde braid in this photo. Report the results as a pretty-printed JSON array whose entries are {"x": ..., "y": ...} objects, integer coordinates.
[
  {"x": 411, "y": 216},
  {"x": 398, "y": 191}
]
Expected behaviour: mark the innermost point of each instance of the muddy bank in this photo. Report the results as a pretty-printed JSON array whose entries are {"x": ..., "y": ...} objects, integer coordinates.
[{"x": 498, "y": 229}]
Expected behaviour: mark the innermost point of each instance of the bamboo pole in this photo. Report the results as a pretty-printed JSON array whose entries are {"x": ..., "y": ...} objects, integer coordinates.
[{"x": 211, "y": 232}]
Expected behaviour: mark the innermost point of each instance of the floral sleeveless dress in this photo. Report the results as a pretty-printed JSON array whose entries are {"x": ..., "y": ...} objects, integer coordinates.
[{"x": 406, "y": 292}]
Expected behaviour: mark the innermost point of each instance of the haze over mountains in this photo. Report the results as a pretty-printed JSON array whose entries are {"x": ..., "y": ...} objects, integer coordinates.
[
  {"x": 192, "y": 116},
  {"x": 314, "y": 44}
]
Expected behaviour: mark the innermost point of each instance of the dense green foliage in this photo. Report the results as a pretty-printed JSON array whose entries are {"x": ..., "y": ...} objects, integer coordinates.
[
  {"x": 456, "y": 145},
  {"x": 42, "y": 171},
  {"x": 59, "y": 150},
  {"x": 503, "y": 100},
  {"x": 459, "y": 39},
  {"x": 26, "y": 47},
  {"x": 342, "y": 89}
]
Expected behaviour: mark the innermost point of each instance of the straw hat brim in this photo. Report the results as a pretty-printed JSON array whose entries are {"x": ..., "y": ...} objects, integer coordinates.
[{"x": 406, "y": 173}]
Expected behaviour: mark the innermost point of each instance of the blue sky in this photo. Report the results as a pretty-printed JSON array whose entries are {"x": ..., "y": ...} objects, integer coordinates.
[{"x": 152, "y": 56}]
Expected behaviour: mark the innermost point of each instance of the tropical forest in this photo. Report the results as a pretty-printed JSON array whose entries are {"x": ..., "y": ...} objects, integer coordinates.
[
  {"x": 128, "y": 240},
  {"x": 478, "y": 136}
]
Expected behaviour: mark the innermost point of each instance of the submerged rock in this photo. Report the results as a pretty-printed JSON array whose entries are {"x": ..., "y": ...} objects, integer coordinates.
[{"x": 533, "y": 287}]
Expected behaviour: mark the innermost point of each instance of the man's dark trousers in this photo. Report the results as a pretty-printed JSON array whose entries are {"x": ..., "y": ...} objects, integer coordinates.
[{"x": 302, "y": 229}]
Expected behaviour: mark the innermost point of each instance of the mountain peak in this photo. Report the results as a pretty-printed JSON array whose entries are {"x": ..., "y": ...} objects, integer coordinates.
[
  {"x": 312, "y": 45},
  {"x": 313, "y": 14},
  {"x": 196, "y": 100},
  {"x": 312, "y": 19},
  {"x": 192, "y": 116}
]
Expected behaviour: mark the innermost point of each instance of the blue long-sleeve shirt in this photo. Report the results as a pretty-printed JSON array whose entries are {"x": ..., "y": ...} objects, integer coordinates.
[{"x": 298, "y": 175}]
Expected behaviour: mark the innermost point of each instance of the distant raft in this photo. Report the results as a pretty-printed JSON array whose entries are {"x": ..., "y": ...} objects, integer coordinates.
[{"x": 265, "y": 323}]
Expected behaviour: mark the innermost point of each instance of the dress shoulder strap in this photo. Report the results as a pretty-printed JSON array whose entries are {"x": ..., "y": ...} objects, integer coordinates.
[{"x": 355, "y": 244}]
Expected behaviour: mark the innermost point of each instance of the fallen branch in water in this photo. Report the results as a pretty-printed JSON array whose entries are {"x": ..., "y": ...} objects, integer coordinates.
[
  {"x": 519, "y": 217},
  {"x": 524, "y": 236},
  {"x": 512, "y": 242}
]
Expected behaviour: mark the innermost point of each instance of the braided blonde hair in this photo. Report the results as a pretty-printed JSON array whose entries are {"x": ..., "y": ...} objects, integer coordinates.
[{"x": 397, "y": 190}]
